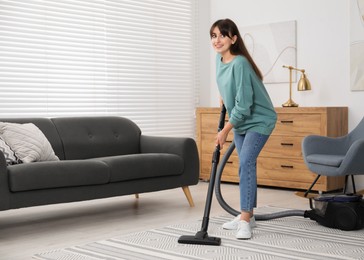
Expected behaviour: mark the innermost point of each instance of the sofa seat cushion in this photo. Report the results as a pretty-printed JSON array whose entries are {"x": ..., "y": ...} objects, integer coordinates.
[
  {"x": 139, "y": 166},
  {"x": 57, "y": 174}
]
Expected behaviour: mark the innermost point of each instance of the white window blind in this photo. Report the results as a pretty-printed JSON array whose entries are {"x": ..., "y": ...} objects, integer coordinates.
[{"x": 130, "y": 58}]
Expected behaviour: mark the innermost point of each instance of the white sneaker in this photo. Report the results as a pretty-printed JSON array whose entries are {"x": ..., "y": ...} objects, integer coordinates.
[
  {"x": 233, "y": 224},
  {"x": 244, "y": 230}
]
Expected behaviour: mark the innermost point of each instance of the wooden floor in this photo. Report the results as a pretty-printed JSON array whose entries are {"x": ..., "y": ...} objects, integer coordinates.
[{"x": 24, "y": 232}]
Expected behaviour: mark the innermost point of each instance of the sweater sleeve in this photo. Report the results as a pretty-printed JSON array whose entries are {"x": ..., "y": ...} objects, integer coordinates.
[{"x": 244, "y": 94}]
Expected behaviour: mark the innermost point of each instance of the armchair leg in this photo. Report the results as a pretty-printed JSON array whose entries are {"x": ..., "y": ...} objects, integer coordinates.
[
  {"x": 353, "y": 183},
  {"x": 188, "y": 195},
  {"x": 345, "y": 183},
  {"x": 313, "y": 184}
]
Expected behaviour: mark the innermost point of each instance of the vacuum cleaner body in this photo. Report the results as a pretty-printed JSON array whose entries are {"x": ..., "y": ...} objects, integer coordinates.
[{"x": 345, "y": 212}]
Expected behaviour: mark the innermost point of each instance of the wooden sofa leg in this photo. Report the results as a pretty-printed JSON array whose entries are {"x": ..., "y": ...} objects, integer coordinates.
[
  {"x": 187, "y": 192},
  {"x": 137, "y": 195}
]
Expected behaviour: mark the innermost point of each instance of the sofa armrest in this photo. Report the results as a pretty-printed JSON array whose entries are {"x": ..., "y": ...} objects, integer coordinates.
[
  {"x": 182, "y": 146},
  {"x": 173, "y": 145},
  {"x": 4, "y": 188},
  {"x": 2, "y": 161},
  {"x": 3, "y": 169}
]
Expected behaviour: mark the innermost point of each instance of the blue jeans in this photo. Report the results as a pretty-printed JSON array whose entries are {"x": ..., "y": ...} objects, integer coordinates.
[{"x": 248, "y": 147}]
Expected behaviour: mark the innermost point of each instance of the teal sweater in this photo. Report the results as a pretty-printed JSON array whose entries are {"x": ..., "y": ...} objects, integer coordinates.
[{"x": 245, "y": 97}]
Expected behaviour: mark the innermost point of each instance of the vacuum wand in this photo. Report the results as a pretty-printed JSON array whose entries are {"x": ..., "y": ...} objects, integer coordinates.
[
  {"x": 215, "y": 162},
  {"x": 202, "y": 237}
]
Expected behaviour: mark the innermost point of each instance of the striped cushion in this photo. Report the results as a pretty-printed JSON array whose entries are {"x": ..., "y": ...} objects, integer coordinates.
[
  {"x": 28, "y": 142},
  {"x": 9, "y": 154}
]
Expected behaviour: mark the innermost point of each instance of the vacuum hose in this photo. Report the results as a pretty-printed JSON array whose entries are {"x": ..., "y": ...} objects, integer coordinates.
[{"x": 225, "y": 206}]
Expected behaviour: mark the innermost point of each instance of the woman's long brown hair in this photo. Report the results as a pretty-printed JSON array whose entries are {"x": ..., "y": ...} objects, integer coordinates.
[{"x": 228, "y": 28}]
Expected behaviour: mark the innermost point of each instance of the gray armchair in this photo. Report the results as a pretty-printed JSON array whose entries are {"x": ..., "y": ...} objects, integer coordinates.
[{"x": 339, "y": 156}]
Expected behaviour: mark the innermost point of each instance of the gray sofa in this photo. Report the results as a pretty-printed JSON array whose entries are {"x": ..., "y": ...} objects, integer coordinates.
[{"x": 100, "y": 157}]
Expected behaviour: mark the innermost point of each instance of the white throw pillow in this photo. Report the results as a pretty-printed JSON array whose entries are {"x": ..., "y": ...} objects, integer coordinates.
[
  {"x": 28, "y": 142},
  {"x": 9, "y": 154}
]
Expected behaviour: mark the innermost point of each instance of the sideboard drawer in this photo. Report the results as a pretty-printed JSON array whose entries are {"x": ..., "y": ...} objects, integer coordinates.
[
  {"x": 230, "y": 172},
  {"x": 210, "y": 124},
  {"x": 282, "y": 146},
  {"x": 288, "y": 169},
  {"x": 208, "y": 143},
  {"x": 298, "y": 124}
]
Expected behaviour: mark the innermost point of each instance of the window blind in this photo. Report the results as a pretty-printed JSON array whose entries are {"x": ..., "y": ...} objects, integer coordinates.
[{"x": 135, "y": 59}]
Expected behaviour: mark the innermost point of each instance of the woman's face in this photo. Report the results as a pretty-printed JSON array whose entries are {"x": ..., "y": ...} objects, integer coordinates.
[{"x": 221, "y": 43}]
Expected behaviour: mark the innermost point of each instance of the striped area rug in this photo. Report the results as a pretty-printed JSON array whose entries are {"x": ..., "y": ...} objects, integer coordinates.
[{"x": 285, "y": 238}]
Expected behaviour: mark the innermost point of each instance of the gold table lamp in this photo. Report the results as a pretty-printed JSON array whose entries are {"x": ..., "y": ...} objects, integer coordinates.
[{"x": 303, "y": 85}]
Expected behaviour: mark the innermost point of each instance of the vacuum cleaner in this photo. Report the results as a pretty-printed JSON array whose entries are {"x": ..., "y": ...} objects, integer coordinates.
[
  {"x": 202, "y": 237},
  {"x": 345, "y": 212}
]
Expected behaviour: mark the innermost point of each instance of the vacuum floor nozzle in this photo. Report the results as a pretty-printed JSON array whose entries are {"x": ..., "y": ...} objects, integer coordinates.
[{"x": 201, "y": 238}]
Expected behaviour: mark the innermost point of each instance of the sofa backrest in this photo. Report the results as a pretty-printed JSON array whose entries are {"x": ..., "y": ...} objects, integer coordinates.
[
  {"x": 48, "y": 129},
  {"x": 90, "y": 137}
]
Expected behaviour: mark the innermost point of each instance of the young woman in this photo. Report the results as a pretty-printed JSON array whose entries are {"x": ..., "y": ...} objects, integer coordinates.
[{"x": 251, "y": 115}]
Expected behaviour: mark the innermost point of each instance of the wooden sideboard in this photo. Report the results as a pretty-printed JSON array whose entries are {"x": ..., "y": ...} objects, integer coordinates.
[{"x": 280, "y": 164}]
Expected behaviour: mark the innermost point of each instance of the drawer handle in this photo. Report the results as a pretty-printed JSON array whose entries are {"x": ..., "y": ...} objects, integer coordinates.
[
  {"x": 287, "y": 144},
  {"x": 287, "y": 121},
  {"x": 287, "y": 166},
  {"x": 230, "y": 162}
]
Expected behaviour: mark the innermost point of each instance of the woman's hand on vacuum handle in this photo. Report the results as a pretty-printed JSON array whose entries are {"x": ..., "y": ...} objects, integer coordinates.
[{"x": 223, "y": 134}]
